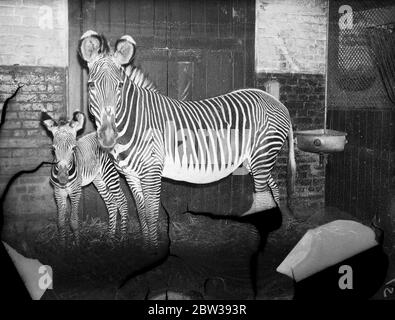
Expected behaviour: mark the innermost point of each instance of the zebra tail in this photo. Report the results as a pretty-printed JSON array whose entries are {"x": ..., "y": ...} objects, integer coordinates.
[{"x": 291, "y": 165}]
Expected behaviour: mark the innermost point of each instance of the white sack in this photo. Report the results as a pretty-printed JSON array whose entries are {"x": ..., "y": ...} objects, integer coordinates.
[
  {"x": 33, "y": 273},
  {"x": 325, "y": 246}
]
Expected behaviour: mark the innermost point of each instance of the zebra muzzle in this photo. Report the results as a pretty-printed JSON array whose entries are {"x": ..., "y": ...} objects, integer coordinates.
[
  {"x": 107, "y": 133},
  {"x": 63, "y": 178}
]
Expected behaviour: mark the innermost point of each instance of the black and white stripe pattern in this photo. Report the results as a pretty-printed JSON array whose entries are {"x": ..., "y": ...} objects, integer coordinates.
[
  {"x": 137, "y": 76},
  {"x": 193, "y": 141},
  {"x": 77, "y": 164}
]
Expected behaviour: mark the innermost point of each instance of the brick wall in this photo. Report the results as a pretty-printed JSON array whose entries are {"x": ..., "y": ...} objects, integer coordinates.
[
  {"x": 23, "y": 141},
  {"x": 303, "y": 94},
  {"x": 33, "y": 53},
  {"x": 290, "y": 48}
]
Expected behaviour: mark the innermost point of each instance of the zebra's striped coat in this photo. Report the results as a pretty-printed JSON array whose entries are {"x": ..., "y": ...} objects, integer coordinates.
[
  {"x": 152, "y": 136},
  {"x": 79, "y": 163}
]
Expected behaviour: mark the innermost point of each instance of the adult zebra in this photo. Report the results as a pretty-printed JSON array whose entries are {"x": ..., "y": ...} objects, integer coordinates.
[{"x": 142, "y": 130}]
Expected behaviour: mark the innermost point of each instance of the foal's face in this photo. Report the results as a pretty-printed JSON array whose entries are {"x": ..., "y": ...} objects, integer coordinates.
[{"x": 64, "y": 142}]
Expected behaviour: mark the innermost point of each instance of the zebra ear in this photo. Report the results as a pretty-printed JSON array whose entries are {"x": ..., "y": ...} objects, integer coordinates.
[
  {"x": 125, "y": 49},
  {"x": 49, "y": 123},
  {"x": 90, "y": 46},
  {"x": 78, "y": 121}
]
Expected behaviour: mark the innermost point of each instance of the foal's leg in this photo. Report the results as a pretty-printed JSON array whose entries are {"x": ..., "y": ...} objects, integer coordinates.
[
  {"x": 61, "y": 203},
  {"x": 74, "y": 220}
]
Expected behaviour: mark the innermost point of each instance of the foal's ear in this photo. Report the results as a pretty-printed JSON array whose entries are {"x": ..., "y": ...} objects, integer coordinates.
[
  {"x": 125, "y": 49},
  {"x": 91, "y": 46},
  {"x": 49, "y": 123},
  {"x": 78, "y": 121}
]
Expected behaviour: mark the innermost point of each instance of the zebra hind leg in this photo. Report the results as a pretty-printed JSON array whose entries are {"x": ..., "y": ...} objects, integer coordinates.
[
  {"x": 260, "y": 166},
  {"x": 269, "y": 141},
  {"x": 275, "y": 190},
  {"x": 288, "y": 218}
]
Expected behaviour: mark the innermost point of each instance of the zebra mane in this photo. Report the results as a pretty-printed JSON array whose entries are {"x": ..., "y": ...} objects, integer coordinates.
[{"x": 139, "y": 78}]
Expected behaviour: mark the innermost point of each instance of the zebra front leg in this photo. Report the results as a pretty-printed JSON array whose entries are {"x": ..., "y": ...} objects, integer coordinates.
[
  {"x": 74, "y": 220},
  {"x": 134, "y": 184},
  {"x": 110, "y": 203},
  {"x": 111, "y": 179},
  {"x": 151, "y": 184},
  {"x": 61, "y": 203},
  {"x": 123, "y": 211}
]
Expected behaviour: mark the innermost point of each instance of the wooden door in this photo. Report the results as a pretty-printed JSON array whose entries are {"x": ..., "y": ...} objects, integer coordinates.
[{"x": 190, "y": 49}]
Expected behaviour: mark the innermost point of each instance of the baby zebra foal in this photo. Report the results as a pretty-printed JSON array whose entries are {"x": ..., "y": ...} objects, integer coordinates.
[{"x": 77, "y": 164}]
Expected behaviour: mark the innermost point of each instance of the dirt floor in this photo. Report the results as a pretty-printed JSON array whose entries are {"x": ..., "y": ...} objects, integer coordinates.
[{"x": 209, "y": 259}]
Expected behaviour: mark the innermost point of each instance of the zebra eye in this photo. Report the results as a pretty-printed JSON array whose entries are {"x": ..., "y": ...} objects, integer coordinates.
[
  {"x": 120, "y": 85},
  {"x": 91, "y": 85}
]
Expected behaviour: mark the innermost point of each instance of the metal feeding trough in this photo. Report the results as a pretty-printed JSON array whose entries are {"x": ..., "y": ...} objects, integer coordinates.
[{"x": 321, "y": 140}]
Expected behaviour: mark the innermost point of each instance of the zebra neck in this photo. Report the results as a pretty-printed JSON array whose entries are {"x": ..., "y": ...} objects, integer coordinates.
[{"x": 138, "y": 112}]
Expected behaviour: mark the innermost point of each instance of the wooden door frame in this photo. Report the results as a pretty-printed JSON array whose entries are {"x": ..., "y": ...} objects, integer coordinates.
[{"x": 77, "y": 99}]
